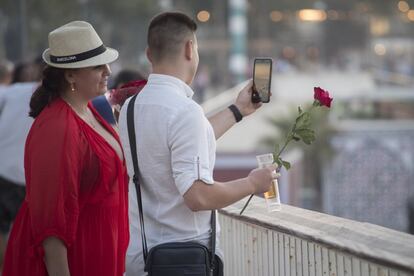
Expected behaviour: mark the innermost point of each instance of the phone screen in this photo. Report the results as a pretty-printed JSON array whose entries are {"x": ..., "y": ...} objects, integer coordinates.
[{"x": 262, "y": 75}]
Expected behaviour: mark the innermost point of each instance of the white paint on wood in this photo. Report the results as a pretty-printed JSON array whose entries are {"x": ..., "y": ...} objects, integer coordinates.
[
  {"x": 275, "y": 254},
  {"x": 356, "y": 267},
  {"x": 299, "y": 269},
  {"x": 264, "y": 252},
  {"x": 348, "y": 265},
  {"x": 246, "y": 269},
  {"x": 281, "y": 254},
  {"x": 382, "y": 271},
  {"x": 318, "y": 260},
  {"x": 286, "y": 247},
  {"x": 292, "y": 255},
  {"x": 373, "y": 270},
  {"x": 252, "y": 250},
  {"x": 332, "y": 263},
  {"x": 312, "y": 260},
  {"x": 258, "y": 258},
  {"x": 393, "y": 273},
  {"x": 325, "y": 262},
  {"x": 242, "y": 248},
  {"x": 227, "y": 237},
  {"x": 340, "y": 264},
  {"x": 364, "y": 268},
  {"x": 253, "y": 259},
  {"x": 248, "y": 234},
  {"x": 305, "y": 258},
  {"x": 231, "y": 236}
]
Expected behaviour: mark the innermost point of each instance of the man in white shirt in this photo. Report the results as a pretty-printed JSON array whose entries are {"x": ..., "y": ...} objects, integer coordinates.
[{"x": 176, "y": 147}]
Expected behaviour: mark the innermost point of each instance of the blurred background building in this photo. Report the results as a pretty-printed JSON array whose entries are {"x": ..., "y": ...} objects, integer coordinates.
[
  {"x": 362, "y": 51},
  {"x": 301, "y": 34}
]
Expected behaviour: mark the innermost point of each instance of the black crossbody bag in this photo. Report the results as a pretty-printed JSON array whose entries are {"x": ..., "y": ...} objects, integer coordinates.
[{"x": 173, "y": 258}]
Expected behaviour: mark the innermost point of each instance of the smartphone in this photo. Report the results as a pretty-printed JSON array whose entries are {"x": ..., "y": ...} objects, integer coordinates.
[{"x": 262, "y": 76}]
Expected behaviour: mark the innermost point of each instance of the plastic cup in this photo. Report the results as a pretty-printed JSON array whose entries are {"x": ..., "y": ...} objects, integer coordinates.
[{"x": 272, "y": 196}]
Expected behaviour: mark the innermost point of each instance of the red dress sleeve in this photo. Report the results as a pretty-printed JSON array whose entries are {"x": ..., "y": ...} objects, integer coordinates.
[{"x": 53, "y": 163}]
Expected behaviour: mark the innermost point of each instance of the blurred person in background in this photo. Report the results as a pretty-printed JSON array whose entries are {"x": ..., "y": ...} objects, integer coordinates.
[
  {"x": 14, "y": 127},
  {"x": 6, "y": 73},
  {"x": 125, "y": 76},
  {"x": 28, "y": 71},
  {"x": 74, "y": 219},
  {"x": 22, "y": 72},
  {"x": 201, "y": 82},
  {"x": 108, "y": 109}
]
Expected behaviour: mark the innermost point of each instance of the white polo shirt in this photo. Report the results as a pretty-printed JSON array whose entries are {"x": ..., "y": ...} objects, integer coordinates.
[
  {"x": 176, "y": 146},
  {"x": 15, "y": 124}
]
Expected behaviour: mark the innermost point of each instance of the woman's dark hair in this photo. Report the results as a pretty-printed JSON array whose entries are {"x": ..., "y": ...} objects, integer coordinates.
[{"x": 53, "y": 83}]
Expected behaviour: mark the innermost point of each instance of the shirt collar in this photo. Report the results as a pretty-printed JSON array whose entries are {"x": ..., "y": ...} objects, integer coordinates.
[{"x": 183, "y": 88}]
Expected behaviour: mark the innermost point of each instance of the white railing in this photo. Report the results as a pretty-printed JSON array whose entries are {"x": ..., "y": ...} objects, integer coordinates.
[{"x": 300, "y": 242}]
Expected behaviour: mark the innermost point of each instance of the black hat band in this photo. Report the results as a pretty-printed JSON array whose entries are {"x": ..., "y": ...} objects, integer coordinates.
[{"x": 78, "y": 57}]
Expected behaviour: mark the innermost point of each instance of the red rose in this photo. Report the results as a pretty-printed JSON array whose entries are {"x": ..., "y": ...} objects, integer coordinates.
[{"x": 322, "y": 97}]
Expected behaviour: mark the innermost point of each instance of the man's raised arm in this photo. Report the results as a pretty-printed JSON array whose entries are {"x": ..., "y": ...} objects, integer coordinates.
[{"x": 225, "y": 119}]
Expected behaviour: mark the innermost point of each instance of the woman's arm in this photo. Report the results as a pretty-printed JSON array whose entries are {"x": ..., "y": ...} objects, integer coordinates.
[{"x": 56, "y": 259}]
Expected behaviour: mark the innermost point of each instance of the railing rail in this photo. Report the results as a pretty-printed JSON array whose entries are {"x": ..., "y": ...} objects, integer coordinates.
[{"x": 296, "y": 241}]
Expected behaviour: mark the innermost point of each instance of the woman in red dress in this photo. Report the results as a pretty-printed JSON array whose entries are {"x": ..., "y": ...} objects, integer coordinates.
[{"x": 74, "y": 218}]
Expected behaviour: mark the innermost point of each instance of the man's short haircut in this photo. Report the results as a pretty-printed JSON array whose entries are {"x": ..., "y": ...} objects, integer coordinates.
[{"x": 167, "y": 32}]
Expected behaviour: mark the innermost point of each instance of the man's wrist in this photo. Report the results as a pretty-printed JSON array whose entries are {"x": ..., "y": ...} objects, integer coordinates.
[
  {"x": 236, "y": 113},
  {"x": 250, "y": 186}
]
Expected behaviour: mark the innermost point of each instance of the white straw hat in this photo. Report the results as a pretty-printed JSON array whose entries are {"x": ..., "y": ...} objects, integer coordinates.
[{"x": 77, "y": 45}]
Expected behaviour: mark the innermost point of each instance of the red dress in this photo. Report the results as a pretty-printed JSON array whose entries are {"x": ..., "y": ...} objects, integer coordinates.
[{"x": 76, "y": 190}]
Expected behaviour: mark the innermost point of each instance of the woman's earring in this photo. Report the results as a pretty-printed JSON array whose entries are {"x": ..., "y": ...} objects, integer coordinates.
[{"x": 72, "y": 87}]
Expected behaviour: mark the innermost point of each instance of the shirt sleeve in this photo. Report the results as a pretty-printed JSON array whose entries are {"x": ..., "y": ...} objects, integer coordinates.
[
  {"x": 189, "y": 148},
  {"x": 53, "y": 163}
]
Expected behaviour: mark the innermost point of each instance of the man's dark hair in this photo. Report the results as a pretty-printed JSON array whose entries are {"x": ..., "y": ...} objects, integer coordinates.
[{"x": 166, "y": 33}]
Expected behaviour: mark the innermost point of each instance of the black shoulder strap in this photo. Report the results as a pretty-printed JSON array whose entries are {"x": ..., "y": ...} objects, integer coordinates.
[
  {"x": 133, "y": 147},
  {"x": 213, "y": 240},
  {"x": 135, "y": 179}
]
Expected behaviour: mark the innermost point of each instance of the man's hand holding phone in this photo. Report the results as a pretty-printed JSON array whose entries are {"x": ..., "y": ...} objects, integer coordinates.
[
  {"x": 257, "y": 91},
  {"x": 244, "y": 100},
  {"x": 262, "y": 76}
]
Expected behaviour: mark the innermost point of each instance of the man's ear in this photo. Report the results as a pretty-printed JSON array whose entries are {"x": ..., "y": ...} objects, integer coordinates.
[
  {"x": 188, "y": 49},
  {"x": 148, "y": 54}
]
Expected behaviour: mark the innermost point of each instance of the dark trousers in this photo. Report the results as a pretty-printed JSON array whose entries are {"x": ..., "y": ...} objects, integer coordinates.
[{"x": 11, "y": 197}]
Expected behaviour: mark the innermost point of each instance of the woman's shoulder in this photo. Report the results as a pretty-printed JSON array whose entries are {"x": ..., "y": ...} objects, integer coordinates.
[
  {"x": 57, "y": 112},
  {"x": 56, "y": 119}
]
